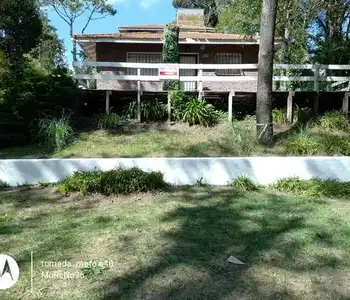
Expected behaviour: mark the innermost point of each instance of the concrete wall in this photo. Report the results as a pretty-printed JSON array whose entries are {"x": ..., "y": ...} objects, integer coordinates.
[{"x": 182, "y": 171}]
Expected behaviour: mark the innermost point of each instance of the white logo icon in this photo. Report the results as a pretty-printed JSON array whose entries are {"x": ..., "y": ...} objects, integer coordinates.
[{"x": 9, "y": 272}]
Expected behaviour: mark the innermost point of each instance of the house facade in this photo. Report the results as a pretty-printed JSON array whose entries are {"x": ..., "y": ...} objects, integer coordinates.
[{"x": 198, "y": 45}]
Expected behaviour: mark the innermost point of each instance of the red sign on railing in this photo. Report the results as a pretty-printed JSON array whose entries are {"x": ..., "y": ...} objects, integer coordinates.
[{"x": 168, "y": 72}]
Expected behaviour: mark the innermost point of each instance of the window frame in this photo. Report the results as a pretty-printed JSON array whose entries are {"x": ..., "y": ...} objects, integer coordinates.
[{"x": 229, "y": 72}]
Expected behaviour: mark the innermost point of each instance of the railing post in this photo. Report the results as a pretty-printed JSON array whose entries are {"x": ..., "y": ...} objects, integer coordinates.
[
  {"x": 345, "y": 107},
  {"x": 169, "y": 106},
  {"x": 107, "y": 101},
  {"x": 200, "y": 83},
  {"x": 290, "y": 107},
  {"x": 139, "y": 96},
  {"x": 230, "y": 104},
  {"x": 317, "y": 88},
  {"x": 317, "y": 78}
]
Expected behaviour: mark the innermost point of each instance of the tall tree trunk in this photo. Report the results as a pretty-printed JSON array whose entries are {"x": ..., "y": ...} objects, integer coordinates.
[
  {"x": 264, "y": 124},
  {"x": 74, "y": 44}
]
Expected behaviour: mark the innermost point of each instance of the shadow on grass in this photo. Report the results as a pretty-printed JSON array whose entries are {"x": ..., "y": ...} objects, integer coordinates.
[{"x": 213, "y": 226}]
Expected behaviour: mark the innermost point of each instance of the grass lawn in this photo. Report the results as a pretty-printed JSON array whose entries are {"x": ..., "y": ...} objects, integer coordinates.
[
  {"x": 181, "y": 140},
  {"x": 175, "y": 245}
]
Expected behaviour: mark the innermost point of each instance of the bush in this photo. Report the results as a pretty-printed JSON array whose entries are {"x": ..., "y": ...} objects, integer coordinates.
[
  {"x": 150, "y": 110},
  {"x": 4, "y": 185},
  {"x": 178, "y": 102},
  {"x": 302, "y": 143},
  {"x": 242, "y": 138},
  {"x": 302, "y": 114},
  {"x": 334, "y": 120},
  {"x": 35, "y": 97},
  {"x": 170, "y": 53},
  {"x": 108, "y": 121},
  {"x": 198, "y": 111},
  {"x": 117, "y": 181},
  {"x": 314, "y": 187},
  {"x": 279, "y": 116},
  {"x": 336, "y": 145},
  {"x": 244, "y": 183},
  {"x": 56, "y": 132}
]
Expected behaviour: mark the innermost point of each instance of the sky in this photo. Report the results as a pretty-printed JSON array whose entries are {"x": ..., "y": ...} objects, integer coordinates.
[{"x": 129, "y": 12}]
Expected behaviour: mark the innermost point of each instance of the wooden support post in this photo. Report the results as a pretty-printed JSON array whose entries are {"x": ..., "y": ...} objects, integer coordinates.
[
  {"x": 169, "y": 107},
  {"x": 200, "y": 84},
  {"x": 290, "y": 107},
  {"x": 317, "y": 89},
  {"x": 345, "y": 107},
  {"x": 139, "y": 97},
  {"x": 316, "y": 104},
  {"x": 108, "y": 93},
  {"x": 230, "y": 104}
]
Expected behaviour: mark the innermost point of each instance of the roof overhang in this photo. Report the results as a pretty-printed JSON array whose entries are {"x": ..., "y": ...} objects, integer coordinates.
[{"x": 89, "y": 44}]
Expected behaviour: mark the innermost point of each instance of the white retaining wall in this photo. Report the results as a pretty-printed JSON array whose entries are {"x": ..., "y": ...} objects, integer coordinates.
[{"x": 182, "y": 171}]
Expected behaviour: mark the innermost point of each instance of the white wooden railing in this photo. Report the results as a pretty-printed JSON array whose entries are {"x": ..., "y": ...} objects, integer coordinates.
[{"x": 319, "y": 80}]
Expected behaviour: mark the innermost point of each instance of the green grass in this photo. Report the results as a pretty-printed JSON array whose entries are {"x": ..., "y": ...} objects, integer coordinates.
[
  {"x": 175, "y": 245},
  {"x": 181, "y": 140}
]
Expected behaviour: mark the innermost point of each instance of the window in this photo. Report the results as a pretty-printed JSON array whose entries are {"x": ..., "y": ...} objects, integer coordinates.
[
  {"x": 228, "y": 59},
  {"x": 144, "y": 58}
]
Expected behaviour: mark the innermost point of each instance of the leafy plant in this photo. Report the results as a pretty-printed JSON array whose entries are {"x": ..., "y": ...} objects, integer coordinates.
[
  {"x": 171, "y": 54},
  {"x": 314, "y": 187},
  {"x": 336, "y": 145},
  {"x": 242, "y": 138},
  {"x": 150, "y": 111},
  {"x": 178, "y": 102},
  {"x": 302, "y": 114},
  {"x": 94, "y": 268},
  {"x": 117, "y": 181},
  {"x": 56, "y": 132},
  {"x": 302, "y": 142},
  {"x": 108, "y": 121},
  {"x": 198, "y": 111},
  {"x": 244, "y": 183},
  {"x": 334, "y": 120},
  {"x": 279, "y": 116},
  {"x": 5, "y": 218}
]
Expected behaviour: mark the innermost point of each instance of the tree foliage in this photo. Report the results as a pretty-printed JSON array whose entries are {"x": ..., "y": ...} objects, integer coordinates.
[
  {"x": 33, "y": 83},
  {"x": 20, "y": 29},
  {"x": 171, "y": 53},
  {"x": 71, "y": 10},
  {"x": 330, "y": 34},
  {"x": 49, "y": 53}
]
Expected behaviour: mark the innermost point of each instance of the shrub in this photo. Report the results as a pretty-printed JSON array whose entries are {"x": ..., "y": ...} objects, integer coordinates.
[
  {"x": 150, "y": 110},
  {"x": 4, "y": 185},
  {"x": 336, "y": 145},
  {"x": 302, "y": 142},
  {"x": 242, "y": 139},
  {"x": 314, "y": 187},
  {"x": 117, "y": 181},
  {"x": 56, "y": 132},
  {"x": 244, "y": 183},
  {"x": 334, "y": 120},
  {"x": 302, "y": 114},
  {"x": 108, "y": 121},
  {"x": 279, "y": 116},
  {"x": 198, "y": 111},
  {"x": 178, "y": 102},
  {"x": 170, "y": 53}
]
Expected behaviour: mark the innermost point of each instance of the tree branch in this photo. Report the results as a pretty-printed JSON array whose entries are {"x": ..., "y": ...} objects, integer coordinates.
[
  {"x": 60, "y": 14},
  {"x": 89, "y": 19}
]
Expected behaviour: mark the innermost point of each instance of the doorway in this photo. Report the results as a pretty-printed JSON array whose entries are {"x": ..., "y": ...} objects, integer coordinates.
[{"x": 188, "y": 86}]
